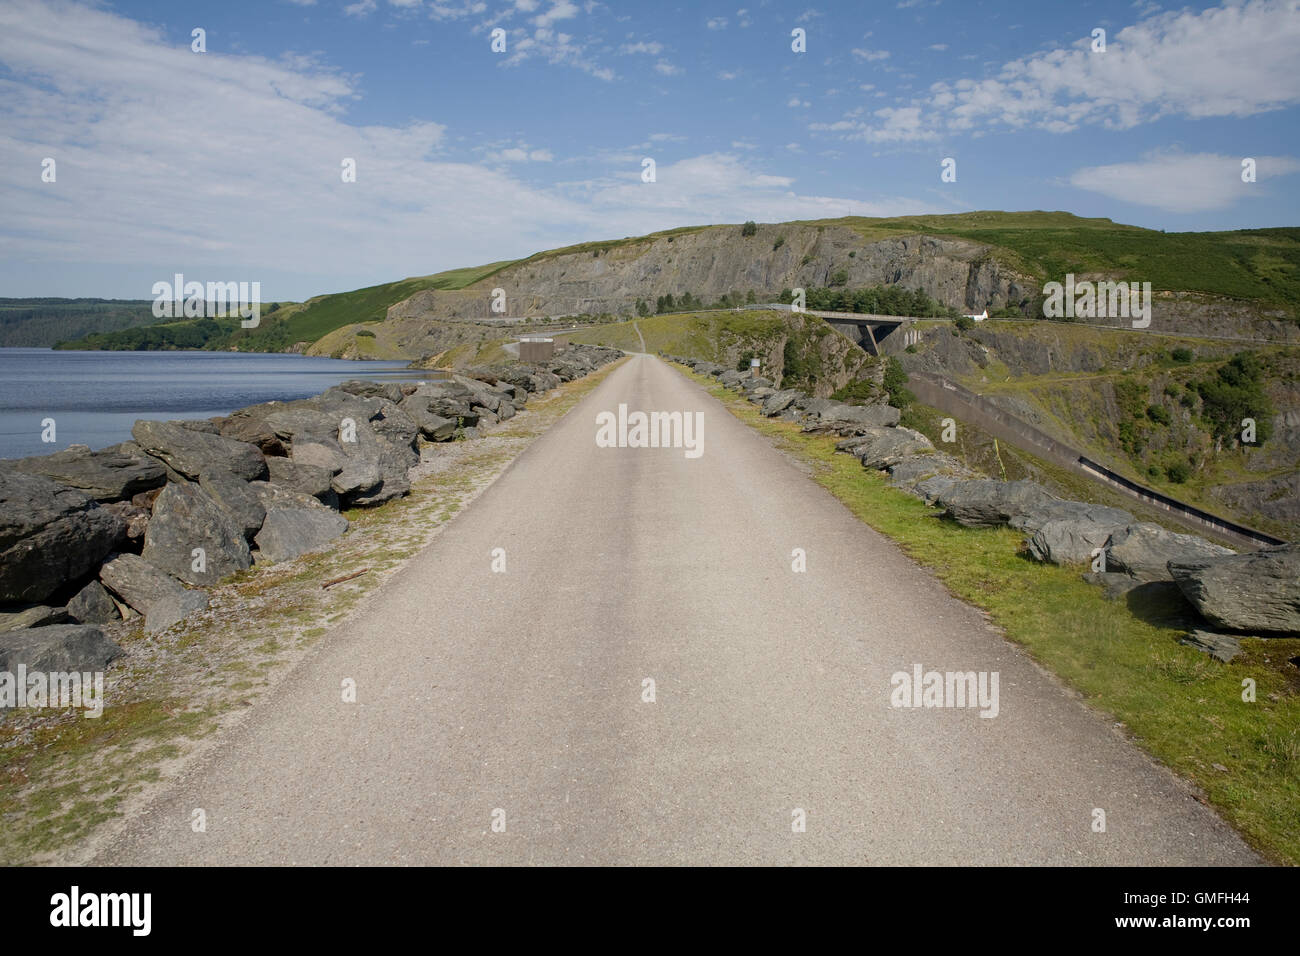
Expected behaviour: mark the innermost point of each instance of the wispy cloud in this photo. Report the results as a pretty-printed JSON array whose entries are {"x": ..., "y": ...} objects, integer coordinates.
[{"x": 1183, "y": 183}]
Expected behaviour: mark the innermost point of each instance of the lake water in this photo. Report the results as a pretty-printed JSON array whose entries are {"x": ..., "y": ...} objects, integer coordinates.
[{"x": 95, "y": 397}]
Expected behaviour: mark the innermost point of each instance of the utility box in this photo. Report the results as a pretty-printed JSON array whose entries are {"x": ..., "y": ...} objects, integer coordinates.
[
  {"x": 753, "y": 368},
  {"x": 536, "y": 350}
]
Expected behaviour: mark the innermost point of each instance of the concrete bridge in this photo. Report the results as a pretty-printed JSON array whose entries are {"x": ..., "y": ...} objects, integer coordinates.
[{"x": 864, "y": 328}]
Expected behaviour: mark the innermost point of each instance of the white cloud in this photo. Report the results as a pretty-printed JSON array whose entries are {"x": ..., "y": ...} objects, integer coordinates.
[
  {"x": 562, "y": 10},
  {"x": 1235, "y": 60},
  {"x": 1178, "y": 182},
  {"x": 807, "y": 15},
  {"x": 130, "y": 117},
  {"x": 742, "y": 17},
  {"x": 727, "y": 75},
  {"x": 796, "y": 103},
  {"x": 717, "y": 23},
  {"x": 446, "y": 11},
  {"x": 666, "y": 68},
  {"x": 360, "y": 9},
  {"x": 871, "y": 56},
  {"x": 303, "y": 3},
  {"x": 654, "y": 49},
  {"x": 938, "y": 47},
  {"x": 890, "y": 125}
]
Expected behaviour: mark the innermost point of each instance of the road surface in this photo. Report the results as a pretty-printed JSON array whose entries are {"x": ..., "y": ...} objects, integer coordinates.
[{"x": 518, "y": 696}]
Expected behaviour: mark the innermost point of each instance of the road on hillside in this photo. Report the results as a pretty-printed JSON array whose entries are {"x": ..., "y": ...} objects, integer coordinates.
[{"x": 520, "y": 697}]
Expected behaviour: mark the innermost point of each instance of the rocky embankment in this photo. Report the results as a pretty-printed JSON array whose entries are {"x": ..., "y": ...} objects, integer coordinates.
[
  {"x": 1233, "y": 595},
  {"x": 137, "y": 531}
]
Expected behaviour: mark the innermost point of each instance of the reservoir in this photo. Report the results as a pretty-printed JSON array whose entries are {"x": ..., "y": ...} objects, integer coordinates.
[{"x": 95, "y": 397}]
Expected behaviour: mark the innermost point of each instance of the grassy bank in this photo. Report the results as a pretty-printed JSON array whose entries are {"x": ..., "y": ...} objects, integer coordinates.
[
  {"x": 1124, "y": 658},
  {"x": 63, "y": 777}
]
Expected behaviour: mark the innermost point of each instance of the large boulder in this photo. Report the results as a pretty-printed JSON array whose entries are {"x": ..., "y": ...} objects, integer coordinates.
[
  {"x": 861, "y": 414},
  {"x": 289, "y": 532},
  {"x": 1062, "y": 510},
  {"x": 50, "y": 535},
  {"x": 93, "y": 605},
  {"x": 189, "y": 452},
  {"x": 1258, "y": 591},
  {"x": 185, "y": 517},
  {"x": 137, "y": 583},
  {"x": 235, "y": 498},
  {"x": 1143, "y": 551},
  {"x": 103, "y": 475},
  {"x": 61, "y": 648},
  {"x": 882, "y": 447},
  {"x": 778, "y": 402},
  {"x": 1069, "y": 532},
  {"x": 298, "y": 476},
  {"x": 987, "y": 503},
  {"x": 1069, "y": 541},
  {"x": 389, "y": 390}
]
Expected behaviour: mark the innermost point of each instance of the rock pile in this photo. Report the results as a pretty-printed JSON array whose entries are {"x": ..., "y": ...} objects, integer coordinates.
[
  {"x": 89, "y": 538},
  {"x": 1256, "y": 593}
]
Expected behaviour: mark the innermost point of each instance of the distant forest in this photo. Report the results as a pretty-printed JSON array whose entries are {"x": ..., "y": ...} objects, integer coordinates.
[{"x": 43, "y": 322}]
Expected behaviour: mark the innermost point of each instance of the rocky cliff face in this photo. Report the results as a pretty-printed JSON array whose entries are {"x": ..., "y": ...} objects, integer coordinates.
[{"x": 714, "y": 261}]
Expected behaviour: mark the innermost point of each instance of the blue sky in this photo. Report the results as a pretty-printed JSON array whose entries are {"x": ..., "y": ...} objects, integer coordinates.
[{"x": 225, "y": 165}]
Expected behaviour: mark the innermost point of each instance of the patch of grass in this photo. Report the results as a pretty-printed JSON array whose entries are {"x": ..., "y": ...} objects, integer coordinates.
[{"x": 1180, "y": 706}]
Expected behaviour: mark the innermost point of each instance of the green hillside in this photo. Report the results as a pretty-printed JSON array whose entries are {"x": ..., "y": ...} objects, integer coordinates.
[
  {"x": 1257, "y": 265},
  {"x": 41, "y": 322},
  {"x": 283, "y": 325}
]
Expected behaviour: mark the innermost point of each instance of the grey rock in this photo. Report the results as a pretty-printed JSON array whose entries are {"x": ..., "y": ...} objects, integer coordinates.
[
  {"x": 778, "y": 402},
  {"x": 38, "y": 615},
  {"x": 289, "y": 532},
  {"x": 50, "y": 535},
  {"x": 93, "y": 605},
  {"x": 731, "y": 377},
  {"x": 388, "y": 390},
  {"x": 137, "y": 583},
  {"x": 185, "y": 517},
  {"x": 931, "y": 489},
  {"x": 190, "y": 452},
  {"x": 173, "y": 608},
  {"x": 298, "y": 476},
  {"x": 103, "y": 475},
  {"x": 1069, "y": 541},
  {"x": 862, "y": 414},
  {"x": 236, "y": 499},
  {"x": 986, "y": 503},
  {"x": 1222, "y": 647},
  {"x": 1258, "y": 591},
  {"x": 1061, "y": 510},
  {"x": 883, "y": 446},
  {"x": 1143, "y": 551},
  {"x": 65, "y": 648}
]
